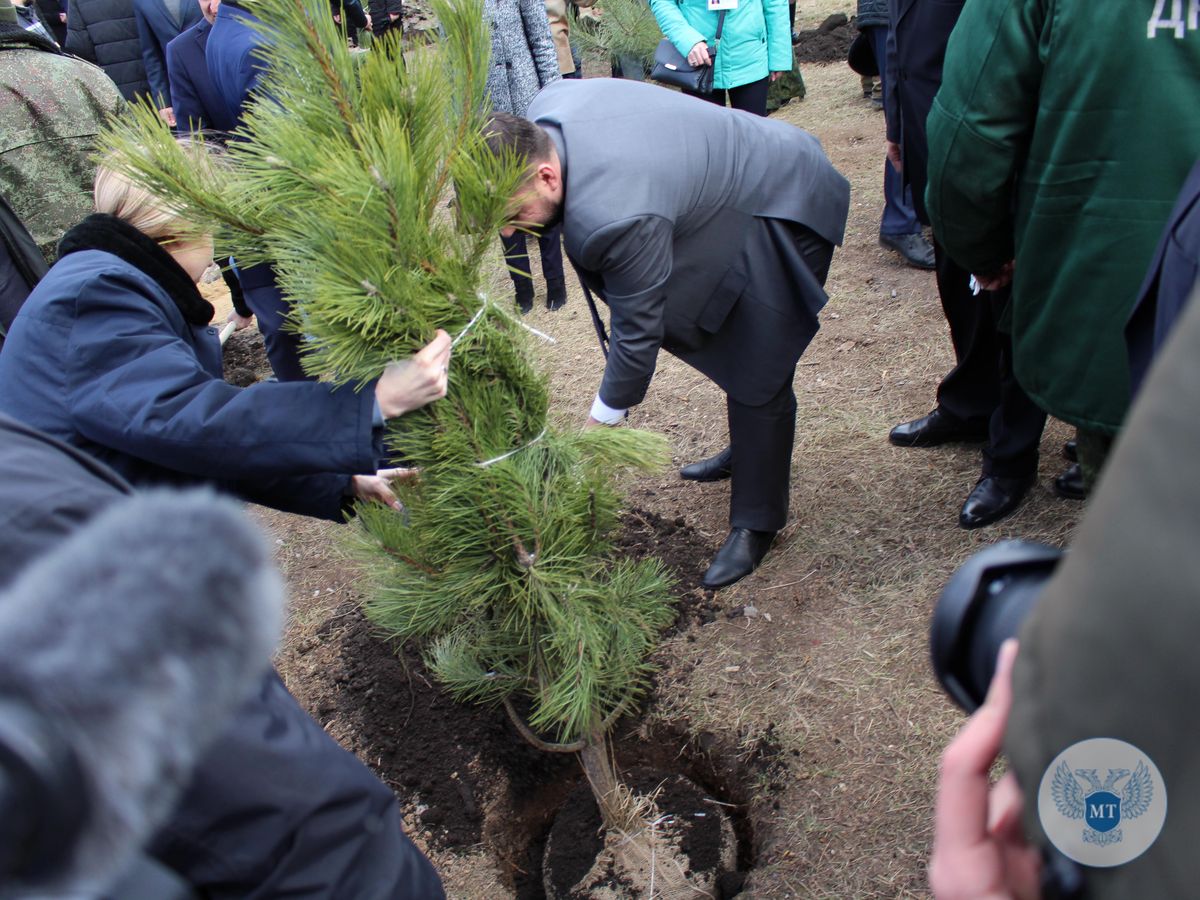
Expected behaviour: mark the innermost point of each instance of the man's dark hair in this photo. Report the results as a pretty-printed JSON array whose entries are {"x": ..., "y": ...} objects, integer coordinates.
[{"x": 505, "y": 133}]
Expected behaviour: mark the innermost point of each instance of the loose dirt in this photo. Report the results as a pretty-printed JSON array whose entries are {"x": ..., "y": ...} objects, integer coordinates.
[{"x": 817, "y": 719}]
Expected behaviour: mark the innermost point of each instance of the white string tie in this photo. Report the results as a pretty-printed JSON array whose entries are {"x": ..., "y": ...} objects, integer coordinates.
[{"x": 503, "y": 456}]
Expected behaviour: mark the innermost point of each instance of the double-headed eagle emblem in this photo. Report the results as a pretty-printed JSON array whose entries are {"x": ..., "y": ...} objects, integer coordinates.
[{"x": 1099, "y": 804}]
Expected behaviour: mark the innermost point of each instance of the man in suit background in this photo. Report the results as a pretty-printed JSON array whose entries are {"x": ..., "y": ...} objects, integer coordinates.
[
  {"x": 197, "y": 104},
  {"x": 158, "y": 23},
  {"x": 979, "y": 399},
  {"x": 709, "y": 233}
]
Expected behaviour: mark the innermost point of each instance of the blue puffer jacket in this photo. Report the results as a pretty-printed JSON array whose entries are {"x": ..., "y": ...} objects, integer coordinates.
[
  {"x": 755, "y": 41},
  {"x": 872, "y": 12},
  {"x": 101, "y": 358}
]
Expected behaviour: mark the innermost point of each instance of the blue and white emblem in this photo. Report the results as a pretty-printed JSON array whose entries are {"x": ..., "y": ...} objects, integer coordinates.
[{"x": 1102, "y": 821}]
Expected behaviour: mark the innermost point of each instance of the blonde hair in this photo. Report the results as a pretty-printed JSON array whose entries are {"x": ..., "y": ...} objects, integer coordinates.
[{"x": 117, "y": 196}]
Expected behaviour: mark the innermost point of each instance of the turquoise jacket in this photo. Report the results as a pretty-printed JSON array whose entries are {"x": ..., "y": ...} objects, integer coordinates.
[{"x": 756, "y": 39}]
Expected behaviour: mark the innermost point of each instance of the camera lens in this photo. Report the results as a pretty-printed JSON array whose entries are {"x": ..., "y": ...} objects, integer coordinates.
[{"x": 982, "y": 605}]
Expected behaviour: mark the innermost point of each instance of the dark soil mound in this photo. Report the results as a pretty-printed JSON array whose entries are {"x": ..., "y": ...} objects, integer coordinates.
[
  {"x": 828, "y": 42},
  {"x": 245, "y": 358}
]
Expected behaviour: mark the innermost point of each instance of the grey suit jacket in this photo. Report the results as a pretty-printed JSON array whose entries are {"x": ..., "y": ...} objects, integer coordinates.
[
  {"x": 664, "y": 194},
  {"x": 523, "y": 57}
]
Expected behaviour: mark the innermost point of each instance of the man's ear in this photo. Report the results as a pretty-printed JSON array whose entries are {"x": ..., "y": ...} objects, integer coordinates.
[{"x": 548, "y": 175}]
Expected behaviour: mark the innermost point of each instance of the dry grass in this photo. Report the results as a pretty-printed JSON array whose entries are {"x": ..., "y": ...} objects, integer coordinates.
[{"x": 833, "y": 673}]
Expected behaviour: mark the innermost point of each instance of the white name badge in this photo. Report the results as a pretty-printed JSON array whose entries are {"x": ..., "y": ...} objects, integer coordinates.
[{"x": 717, "y": 5}]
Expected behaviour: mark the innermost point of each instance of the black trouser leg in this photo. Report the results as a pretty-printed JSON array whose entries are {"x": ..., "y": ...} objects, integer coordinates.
[
  {"x": 1016, "y": 426},
  {"x": 516, "y": 257},
  {"x": 750, "y": 97},
  {"x": 761, "y": 438},
  {"x": 271, "y": 310},
  {"x": 550, "y": 247},
  {"x": 970, "y": 391}
]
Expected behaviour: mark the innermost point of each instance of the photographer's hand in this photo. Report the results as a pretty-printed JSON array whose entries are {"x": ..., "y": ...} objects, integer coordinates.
[{"x": 979, "y": 850}]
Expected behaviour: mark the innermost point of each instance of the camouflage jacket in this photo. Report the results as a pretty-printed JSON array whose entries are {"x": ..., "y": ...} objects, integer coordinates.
[{"x": 51, "y": 108}]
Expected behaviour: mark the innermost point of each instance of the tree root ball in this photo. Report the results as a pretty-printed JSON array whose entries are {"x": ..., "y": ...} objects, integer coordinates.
[{"x": 685, "y": 847}]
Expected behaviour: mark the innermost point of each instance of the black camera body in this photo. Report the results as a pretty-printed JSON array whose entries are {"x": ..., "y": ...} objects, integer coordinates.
[{"x": 982, "y": 605}]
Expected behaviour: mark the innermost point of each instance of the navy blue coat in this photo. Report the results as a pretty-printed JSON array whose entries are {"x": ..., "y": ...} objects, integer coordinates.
[
  {"x": 101, "y": 358},
  {"x": 156, "y": 28},
  {"x": 233, "y": 60},
  {"x": 916, "y": 48},
  {"x": 194, "y": 97},
  {"x": 1169, "y": 283}
]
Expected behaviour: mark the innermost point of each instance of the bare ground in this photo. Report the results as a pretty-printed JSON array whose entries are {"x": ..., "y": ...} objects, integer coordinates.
[{"x": 823, "y": 707}]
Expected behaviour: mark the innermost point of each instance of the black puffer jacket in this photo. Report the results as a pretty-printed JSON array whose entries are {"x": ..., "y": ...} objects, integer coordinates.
[
  {"x": 872, "y": 12},
  {"x": 105, "y": 32}
]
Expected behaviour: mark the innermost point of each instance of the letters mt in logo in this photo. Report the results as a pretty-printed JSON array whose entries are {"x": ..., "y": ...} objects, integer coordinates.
[
  {"x": 1102, "y": 819},
  {"x": 1097, "y": 804}
]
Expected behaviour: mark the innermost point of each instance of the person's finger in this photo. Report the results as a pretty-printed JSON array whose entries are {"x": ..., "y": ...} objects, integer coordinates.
[
  {"x": 1004, "y": 808},
  {"x": 439, "y": 346},
  {"x": 961, "y": 808},
  {"x": 399, "y": 473}
]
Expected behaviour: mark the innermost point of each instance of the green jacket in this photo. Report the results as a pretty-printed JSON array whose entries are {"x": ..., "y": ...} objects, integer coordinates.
[
  {"x": 1060, "y": 138},
  {"x": 51, "y": 108},
  {"x": 755, "y": 41}
]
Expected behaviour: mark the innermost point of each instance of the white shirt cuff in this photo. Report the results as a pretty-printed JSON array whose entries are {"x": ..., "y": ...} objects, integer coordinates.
[{"x": 602, "y": 412}]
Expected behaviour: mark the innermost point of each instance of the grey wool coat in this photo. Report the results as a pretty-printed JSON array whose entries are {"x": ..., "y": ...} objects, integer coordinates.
[{"x": 523, "y": 58}]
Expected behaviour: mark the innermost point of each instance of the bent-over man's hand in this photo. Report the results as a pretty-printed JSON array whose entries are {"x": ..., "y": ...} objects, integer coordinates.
[
  {"x": 377, "y": 488},
  {"x": 979, "y": 850},
  {"x": 895, "y": 157},
  {"x": 416, "y": 381}
]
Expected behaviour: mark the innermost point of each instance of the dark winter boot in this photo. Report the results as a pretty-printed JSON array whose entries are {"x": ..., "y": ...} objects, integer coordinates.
[
  {"x": 556, "y": 295},
  {"x": 524, "y": 298}
]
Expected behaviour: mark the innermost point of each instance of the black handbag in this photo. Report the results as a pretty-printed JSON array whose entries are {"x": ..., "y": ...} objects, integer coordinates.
[{"x": 673, "y": 69}]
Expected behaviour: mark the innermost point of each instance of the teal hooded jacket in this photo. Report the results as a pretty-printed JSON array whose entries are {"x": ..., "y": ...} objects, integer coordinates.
[{"x": 755, "y": 41}]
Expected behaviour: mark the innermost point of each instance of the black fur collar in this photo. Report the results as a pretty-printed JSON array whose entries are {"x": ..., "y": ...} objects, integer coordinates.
[{"x": 112, "y": 235}]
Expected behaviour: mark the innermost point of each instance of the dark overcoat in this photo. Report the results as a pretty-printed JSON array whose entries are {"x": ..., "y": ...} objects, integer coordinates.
[
  {"x": 105, "y": 32},
  {"x": 157, "y": 28},
  {"x": 101, "y": 358},
  {"x": 916, "y": 48},
  {"x": 197, "y": 103}
]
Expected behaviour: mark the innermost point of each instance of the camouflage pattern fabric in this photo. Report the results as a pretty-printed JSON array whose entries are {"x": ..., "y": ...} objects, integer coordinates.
[
  {"x": 789, "y": 86},
  {"x": 51, "y": 108}
]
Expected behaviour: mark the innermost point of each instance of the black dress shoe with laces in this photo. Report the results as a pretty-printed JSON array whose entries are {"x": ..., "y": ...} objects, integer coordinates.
[
  {"x": 740, "y": 555},
  {"x": 715, "y": 468},
  {"x": 993, "y": 498},
  {"x": 1069, "y": 485},
  {"x": 935, "y": 429},
  {"x": 915, "y": 249}
]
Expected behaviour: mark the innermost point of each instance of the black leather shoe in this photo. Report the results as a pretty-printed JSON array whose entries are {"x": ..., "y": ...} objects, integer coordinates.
[
  {"x": 993, "y": 498},
  {"x": 917, "y": 251},
  {"x": 715, "y": 468},
  {"x": 524, "y": 297},
  {"x": 1071, "y": 451},
  {"x": 935, "y": 429},
  {"x": 740, "y": 555},
  {"x": 1069, "y": 485},
  {"x": 556, "y": 295}
]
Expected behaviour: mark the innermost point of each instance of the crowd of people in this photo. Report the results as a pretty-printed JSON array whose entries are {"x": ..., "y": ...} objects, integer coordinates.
[{"x": 1047, "y": 184}]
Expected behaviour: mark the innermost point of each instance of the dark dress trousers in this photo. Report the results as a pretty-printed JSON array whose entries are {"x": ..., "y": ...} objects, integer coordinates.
[
  {"x": 981, "y": 387},
  {"x": 708, "y": 233},
  {"x": 158, "y": 23}
]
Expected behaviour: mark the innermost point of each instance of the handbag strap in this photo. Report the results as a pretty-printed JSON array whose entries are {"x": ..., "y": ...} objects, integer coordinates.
[
  {"x": 597, "y": 322},
  {"x": 720, "y": 25}
]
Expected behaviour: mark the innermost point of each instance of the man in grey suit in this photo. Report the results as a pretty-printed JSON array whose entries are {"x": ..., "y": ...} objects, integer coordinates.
[{"x": 708, "y": 232}]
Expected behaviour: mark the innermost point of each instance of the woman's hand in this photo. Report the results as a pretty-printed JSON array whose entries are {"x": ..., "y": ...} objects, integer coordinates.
[
  {"x": 416, "y": 381},
  {"x": 377, "y": 488},
  {"x": 698, "y": 55},
  {"x": 775, "y": 76}
]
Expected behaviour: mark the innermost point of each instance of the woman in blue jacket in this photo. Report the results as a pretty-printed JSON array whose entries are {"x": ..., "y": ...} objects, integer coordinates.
[
  {"x": 113, "y": 353},
  {"x": 755, "y": 46}
]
